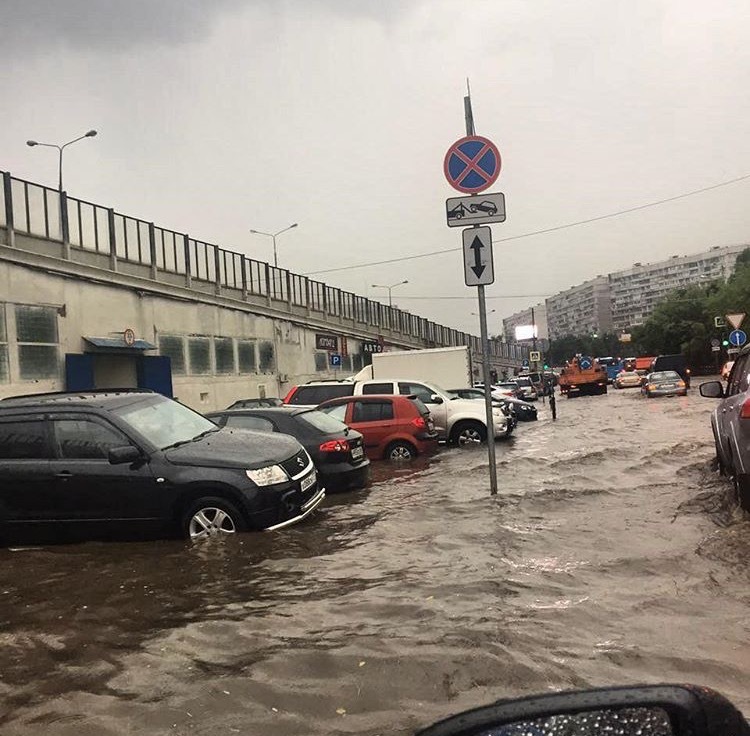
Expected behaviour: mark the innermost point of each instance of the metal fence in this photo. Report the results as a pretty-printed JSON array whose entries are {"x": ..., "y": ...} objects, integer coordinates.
[{"x": 37, "y": 210}]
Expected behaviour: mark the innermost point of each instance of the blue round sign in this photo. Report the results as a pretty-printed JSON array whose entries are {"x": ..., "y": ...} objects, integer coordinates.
[
  {"x": 737, "y": 338},
  {"x": 472, "y": 164}
]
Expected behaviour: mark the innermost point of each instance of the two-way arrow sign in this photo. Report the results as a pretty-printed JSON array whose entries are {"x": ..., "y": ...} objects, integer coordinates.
[{"x": 478, "y": 267}]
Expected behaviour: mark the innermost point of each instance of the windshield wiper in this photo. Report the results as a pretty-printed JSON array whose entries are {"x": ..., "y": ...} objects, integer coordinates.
[{"x": 192, "y": 439}]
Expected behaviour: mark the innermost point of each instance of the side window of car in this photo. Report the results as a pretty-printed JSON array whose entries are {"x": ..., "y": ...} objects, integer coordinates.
[
  {"x": 738, "y": 376},
  {"x": 420, "y": 391},
  {"x": 377, "y": 388},
  {"x": 23, "y": 440},
  {"x": 372, "y": 411},
  {"x": 337, "y": 412},
  {"x": 85, "y": 439},
  {"x": 243, "y": 421}
]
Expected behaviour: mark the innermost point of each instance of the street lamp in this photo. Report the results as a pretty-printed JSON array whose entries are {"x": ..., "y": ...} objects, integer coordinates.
[
  {"x": 88, "y": 134},
  {"x": 273, "y": 236},
  {"x": 390, "y": 289},
  {"x": 476, "y": 314}
]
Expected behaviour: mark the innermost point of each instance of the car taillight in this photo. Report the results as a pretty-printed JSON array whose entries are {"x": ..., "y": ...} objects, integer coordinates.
[
  {"x": 419, "y": 423},
  {"x": 745, "y": 410},
  {"x": 335, "y": 446}
]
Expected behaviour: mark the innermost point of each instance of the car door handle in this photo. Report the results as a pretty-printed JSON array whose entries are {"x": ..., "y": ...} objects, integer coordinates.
[{"x": 64, "y": 474}]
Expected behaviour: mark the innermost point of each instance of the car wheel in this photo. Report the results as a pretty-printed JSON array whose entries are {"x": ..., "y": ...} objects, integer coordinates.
[
  {"x": 468, "y": 433},
  {"x": 400, "y": 451},
  {"x": 719, "y": 462},
  {"x": 211, "y": 517}
]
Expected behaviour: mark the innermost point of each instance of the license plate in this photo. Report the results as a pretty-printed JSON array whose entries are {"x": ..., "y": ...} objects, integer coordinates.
[
  {"x": 357, "y": 452},
  {"x": 666, "y": 385},
  {"x": 309, "y": 481}
]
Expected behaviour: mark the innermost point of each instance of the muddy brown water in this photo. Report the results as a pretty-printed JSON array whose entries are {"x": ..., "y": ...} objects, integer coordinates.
[{"x": 610, "y": 556}]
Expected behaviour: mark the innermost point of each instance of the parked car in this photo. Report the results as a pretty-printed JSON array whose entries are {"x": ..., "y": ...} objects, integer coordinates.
[
  {"x": 456, "y": 420},
  {"x": 523, "y": 410},
  {"x": 101, "y": 462},
  {"x": 727, "y": 369},
  {"x": 393, "y": 427},
  {"x": 526, "y": 388},
  {"x": 730, "y": 424},
  {"x": 337, "y": 451},
  {"x": 664, "y": 383},
  {"x": 676, "y": 363},
  {"x": 255, "y": 403},
  {"x": 628, "y": 379},
  {"x": 500, "y": 390}
]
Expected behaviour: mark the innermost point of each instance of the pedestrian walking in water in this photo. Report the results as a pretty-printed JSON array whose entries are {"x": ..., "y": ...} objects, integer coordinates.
[{"x": 552, "y": 402}]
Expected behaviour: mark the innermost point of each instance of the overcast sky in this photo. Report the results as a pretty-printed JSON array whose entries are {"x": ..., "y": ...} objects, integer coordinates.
[{"x": 215, "y": 118}]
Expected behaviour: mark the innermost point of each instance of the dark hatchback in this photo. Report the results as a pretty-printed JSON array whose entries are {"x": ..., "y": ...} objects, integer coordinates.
[
  {"x": 337, "y": 451},
  {"x": 103, "y": 463}
]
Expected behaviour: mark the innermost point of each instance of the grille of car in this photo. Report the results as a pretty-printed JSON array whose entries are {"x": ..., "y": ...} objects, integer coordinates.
[{"x": 296, "y": 464}]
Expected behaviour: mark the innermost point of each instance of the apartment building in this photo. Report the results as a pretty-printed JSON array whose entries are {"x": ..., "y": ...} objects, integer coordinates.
[
  {"x": 525, "y": 317},
  {"x": 637, "y": 290},
  {"x": 585, "y": 309}
]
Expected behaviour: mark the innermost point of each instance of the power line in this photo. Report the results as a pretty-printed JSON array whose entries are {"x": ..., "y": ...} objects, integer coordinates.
[
  {"x": 430, "y": 254},
  {"x": 474, "y": 298}
]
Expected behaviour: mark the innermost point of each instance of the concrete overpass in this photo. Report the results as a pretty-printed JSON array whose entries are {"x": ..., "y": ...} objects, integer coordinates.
[{"x": 47, "y": 237}]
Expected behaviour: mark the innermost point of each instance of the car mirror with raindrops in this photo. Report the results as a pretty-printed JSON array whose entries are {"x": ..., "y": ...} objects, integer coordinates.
[{"x": 649, "y": 710}]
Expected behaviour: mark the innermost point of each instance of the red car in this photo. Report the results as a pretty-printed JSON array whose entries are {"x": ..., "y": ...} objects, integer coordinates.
[{"x": 393, "y": 427}]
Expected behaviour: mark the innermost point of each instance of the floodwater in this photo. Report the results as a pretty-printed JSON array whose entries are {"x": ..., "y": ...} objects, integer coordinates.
[{"x": 612, "y": 555}]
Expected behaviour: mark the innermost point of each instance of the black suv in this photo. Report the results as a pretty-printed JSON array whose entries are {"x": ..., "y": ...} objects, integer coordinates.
[{"x": 104, "y": 461}]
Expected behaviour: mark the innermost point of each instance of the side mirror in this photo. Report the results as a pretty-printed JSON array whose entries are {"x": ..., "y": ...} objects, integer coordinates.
[
  {"x": 124, "y": 454},
  {"x": 436, "y": 399},
  {"x": 712, "y": 390},
  {"x": 650, "y": 710}
]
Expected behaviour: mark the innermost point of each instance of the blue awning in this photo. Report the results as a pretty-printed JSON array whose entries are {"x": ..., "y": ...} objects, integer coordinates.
[{"x": 119, "y": 343}]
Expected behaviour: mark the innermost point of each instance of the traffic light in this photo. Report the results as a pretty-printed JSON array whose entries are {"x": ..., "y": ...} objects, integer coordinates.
[
  {"x": 546, "y": 367},
  {"x": 725, "y": 343}
]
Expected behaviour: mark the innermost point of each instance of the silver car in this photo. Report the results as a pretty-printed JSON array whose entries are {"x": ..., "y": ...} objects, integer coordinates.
[{"x": 730, "y": 423}]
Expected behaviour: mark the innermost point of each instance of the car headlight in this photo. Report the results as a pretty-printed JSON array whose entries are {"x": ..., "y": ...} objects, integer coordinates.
[
  {"x": 497, "y": 411},
  {"x": 268, "y": 476}
]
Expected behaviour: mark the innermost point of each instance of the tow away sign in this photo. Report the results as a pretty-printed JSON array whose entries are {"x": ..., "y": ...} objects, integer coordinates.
[
  {"x": 478, "y": 267},
  {"x": 475, "y": 210}
]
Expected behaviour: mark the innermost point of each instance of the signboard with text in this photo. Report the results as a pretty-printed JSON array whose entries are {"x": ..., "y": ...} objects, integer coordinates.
[
  {"x": 326, "y": 342},
  {"x": 372, "y": 347}
]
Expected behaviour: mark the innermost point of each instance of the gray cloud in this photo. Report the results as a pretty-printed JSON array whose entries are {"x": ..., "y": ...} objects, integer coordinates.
[{"x": 113, "y": 25}]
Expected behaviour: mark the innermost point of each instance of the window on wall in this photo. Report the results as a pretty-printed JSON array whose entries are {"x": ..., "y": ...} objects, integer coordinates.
[
  {"x": 346, "y": 363},
  {"x": 36, "y": 335},
  {"x": 357, "y": 362},
  {"x": 224, "y": 349},
  {"x": 173, "y": 346},
  {"x": 266, "y": 356},
  {"x": 4, "y": 372},
  {"x": 199, "y": 351},
  {"x": 246, "y": 356},
  {"x": 321, "y": 361}
]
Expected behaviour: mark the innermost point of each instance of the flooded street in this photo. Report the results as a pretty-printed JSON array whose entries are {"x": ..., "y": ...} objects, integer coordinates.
[{"x": 611, "y": 556}]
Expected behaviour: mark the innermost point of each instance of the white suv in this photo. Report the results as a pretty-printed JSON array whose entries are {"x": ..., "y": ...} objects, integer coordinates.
[{"x": 460, "y": 421}]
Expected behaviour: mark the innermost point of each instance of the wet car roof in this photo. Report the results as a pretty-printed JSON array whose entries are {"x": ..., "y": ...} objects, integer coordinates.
[{"x": 102, "y": 399}]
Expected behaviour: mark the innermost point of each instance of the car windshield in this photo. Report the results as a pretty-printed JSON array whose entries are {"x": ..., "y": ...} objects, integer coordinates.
[
  {"x": 523, "y": 381},
  {"x": 322, "y": 422},
  {"x": 164, "y": 422}
]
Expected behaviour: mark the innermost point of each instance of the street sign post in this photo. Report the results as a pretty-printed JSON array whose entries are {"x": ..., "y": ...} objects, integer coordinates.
[
  {"x": 715, "y": 343},
  {"x": 535, "y": 356},
  {"x": 736, "y": 319},
  {"x": 737, "y": 338},
  {"x": 479, "y": 269},
  {"x": 463, "y": 211},
  {"x": 472, "y": 164},
  {"x": 335, "y": 360},
  {"x": 715, "y": 348}
]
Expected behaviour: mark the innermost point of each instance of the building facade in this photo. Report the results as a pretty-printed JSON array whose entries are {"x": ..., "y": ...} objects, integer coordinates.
[
  {"x": 525, "y": 317},
  {"x": 585, "y": 309},
  {"x": 636, "y": 291}
]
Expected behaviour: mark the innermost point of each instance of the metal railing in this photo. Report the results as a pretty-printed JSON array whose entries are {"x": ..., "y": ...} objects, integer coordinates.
[{"x": 33, "y": 209}]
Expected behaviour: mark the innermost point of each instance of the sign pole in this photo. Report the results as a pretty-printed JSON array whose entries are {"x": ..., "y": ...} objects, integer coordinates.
[{"x": 485, "y": 343}]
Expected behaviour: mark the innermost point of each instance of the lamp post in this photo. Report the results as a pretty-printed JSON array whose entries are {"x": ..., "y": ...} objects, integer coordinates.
[
  {"x": 390, "y": 289},
  {"x": 273, "y": 237},
  {"x": 61, "y": 148}
]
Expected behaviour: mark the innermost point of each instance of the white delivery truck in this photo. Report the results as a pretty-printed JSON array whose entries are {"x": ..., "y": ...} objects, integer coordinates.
[{"x": 444, "y": 367}]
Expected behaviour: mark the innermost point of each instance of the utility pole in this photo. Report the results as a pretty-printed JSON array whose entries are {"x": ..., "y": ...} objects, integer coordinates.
[{"x": 533, "y": 338}]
